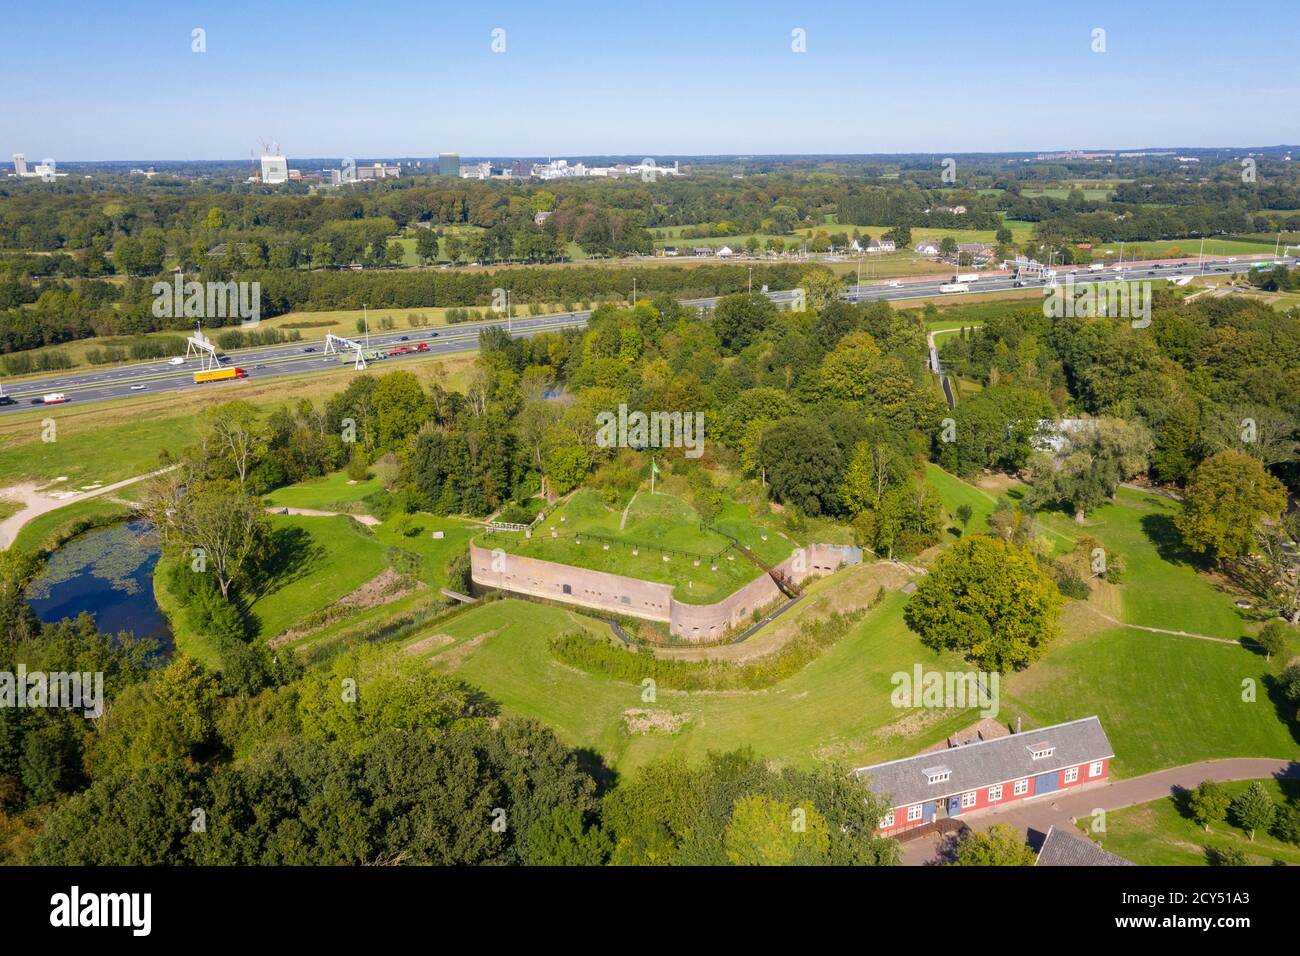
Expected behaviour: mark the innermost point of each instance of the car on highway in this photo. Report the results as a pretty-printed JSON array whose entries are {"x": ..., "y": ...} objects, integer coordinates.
[
  {"x": 6, "y": 400},
  {"x": 176, "y": 361},
  {"x": 309, "y": 349},
  {"x": 403, "y": 338},
  {"x": 137, "y": 388},
  {"x": 433, "y": 335}
]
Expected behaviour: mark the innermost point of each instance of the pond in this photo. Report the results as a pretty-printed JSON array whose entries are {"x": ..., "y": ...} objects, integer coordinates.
[{"x": 109, "y": 573}]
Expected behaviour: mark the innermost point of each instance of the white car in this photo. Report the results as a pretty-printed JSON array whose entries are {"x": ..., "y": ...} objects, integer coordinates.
[
  {"x": 136, "y": 388},
  {"x": 895, "y": 284},
  {"x": 176, "y": 361}
]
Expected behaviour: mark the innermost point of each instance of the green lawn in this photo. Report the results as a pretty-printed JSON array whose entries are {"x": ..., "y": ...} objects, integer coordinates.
[
  {"x": 954, "y": 493},
  {"x": 415, "y": 533},
  {"x": 46, "y": 532},
  {"x": 657, "y": 525},
  {"x": 1158, "y": 834},
  {"x": 334, "y": 492},
  {"x": 336, "y": 556},
  {"x": 328, "y": 559},
  {"x": 1164, "y": 699},
  {"x": 836, "y": 708}
]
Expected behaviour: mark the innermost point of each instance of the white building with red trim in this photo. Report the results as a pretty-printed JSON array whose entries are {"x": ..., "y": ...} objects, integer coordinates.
[{"x": 990, "y": 773}]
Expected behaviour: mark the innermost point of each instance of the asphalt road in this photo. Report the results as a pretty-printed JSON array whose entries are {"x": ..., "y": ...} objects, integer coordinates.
[{"x": 148, "y": 378}]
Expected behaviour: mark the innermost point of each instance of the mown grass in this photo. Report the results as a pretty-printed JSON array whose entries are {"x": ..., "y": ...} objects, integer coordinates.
[
  {"x": 1164, "y": 699},
  {"x": 658, "y": 526},
  {"x": 1159, "y": 834},
  {"x": 46, "y": 532},
  {"x": 836, "y": 708},
  {"x": 334, "y": 492},
  {"x": 324, "y": 559}
]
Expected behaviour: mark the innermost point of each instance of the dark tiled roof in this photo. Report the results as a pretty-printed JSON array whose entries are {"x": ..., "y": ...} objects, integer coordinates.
[
  {"x": 990, "y": 761},
  {"x": 1063, "y": 849}
]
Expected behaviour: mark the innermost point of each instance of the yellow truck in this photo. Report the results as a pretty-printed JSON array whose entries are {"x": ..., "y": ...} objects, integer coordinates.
[{"x": 219, "y": 375}]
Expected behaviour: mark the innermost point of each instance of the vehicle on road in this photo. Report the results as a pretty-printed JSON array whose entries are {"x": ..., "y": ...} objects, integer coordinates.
[
  {"x": 1096, "y": 267},
  {"x": 6, "y": 400},
  {"x": 219, "y": 375},
  {"x": 176, "y": 361},
  {"x": 54, "y": 398},
  {"x": 309, "y": 349},
  {"x": 433, "y": 335},
  {"x": 137, "y": 388},
  {"x": 966, "y": 277},
  {"x": 954, "y": 287}
]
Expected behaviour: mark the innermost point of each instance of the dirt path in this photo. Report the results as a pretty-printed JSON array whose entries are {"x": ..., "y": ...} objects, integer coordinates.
[
  {"x": 312, "y": 512},
  {"x": 38, "y": 500},
  {"x": 1161, "y": 630}
]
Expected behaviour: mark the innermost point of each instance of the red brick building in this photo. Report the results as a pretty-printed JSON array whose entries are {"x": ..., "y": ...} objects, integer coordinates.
[{"x": 990, "y": 773}]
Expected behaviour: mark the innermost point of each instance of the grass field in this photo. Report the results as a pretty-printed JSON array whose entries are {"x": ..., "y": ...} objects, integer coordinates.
[
  {"x": 328, "y": 559},
  {"x": 121, "y": 438},
  {"x": 1158, "y": 834},
  {"x": 46, "y": 532},
  {"x": 657, "y": 525},
  {"x": 334, "y": 492},
  {"x": 1164, "y": 699},
  {"x": 837, "y": 708}
]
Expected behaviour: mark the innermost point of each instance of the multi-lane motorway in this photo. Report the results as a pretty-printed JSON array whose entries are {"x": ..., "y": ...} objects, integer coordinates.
[{"x": 295, "y": 358}]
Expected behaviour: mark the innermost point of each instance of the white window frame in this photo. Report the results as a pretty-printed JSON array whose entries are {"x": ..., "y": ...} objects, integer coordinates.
[
  {"x": 887, "y": 820},
  {"x": 968, "y": 799},
  {"x": 1071, "y": 774},
  {"x": 1022, "y": 787},
  {"x": 914, "y": 813},
  {"x": 1095, "y": 768},
  {"x": 995, "y": 793}
]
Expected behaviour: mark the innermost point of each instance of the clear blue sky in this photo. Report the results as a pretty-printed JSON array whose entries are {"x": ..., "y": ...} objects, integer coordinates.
[{"x": 92, "y": 81}]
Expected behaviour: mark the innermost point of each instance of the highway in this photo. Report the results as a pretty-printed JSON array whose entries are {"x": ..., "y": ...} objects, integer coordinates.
[{"x": 306, "y": 356}]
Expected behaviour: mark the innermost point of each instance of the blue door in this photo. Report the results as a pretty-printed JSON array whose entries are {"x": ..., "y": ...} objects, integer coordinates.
[
  {"x": 1047, "y": 782},
  {"x": 954, "y": 806},
  {"x": 928, "y": 813}
]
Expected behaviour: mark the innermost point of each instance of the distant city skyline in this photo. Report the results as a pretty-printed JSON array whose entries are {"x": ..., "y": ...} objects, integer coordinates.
[{"x": 122, "y": 83}]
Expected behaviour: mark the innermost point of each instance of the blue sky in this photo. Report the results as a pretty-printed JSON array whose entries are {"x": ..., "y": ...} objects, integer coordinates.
[{"x": 119, "y": 81}]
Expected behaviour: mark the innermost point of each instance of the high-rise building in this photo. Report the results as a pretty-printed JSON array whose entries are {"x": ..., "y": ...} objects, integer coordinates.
[
  {"x": 449, "y": 164},
  {"x": 20, "y": 164},
  {"x": 275, "y": 170}
]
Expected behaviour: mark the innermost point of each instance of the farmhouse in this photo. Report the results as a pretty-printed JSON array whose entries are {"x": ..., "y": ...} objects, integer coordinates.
[
  {"x": 880, "y": 245},
  {"x": 975, "y": 250},
  {"x": 927, "y": 247},
  {"x": 989, "y": 773}
]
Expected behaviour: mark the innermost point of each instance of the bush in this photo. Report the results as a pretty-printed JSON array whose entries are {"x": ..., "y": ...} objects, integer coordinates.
[{"x": 606, "y": 660}]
